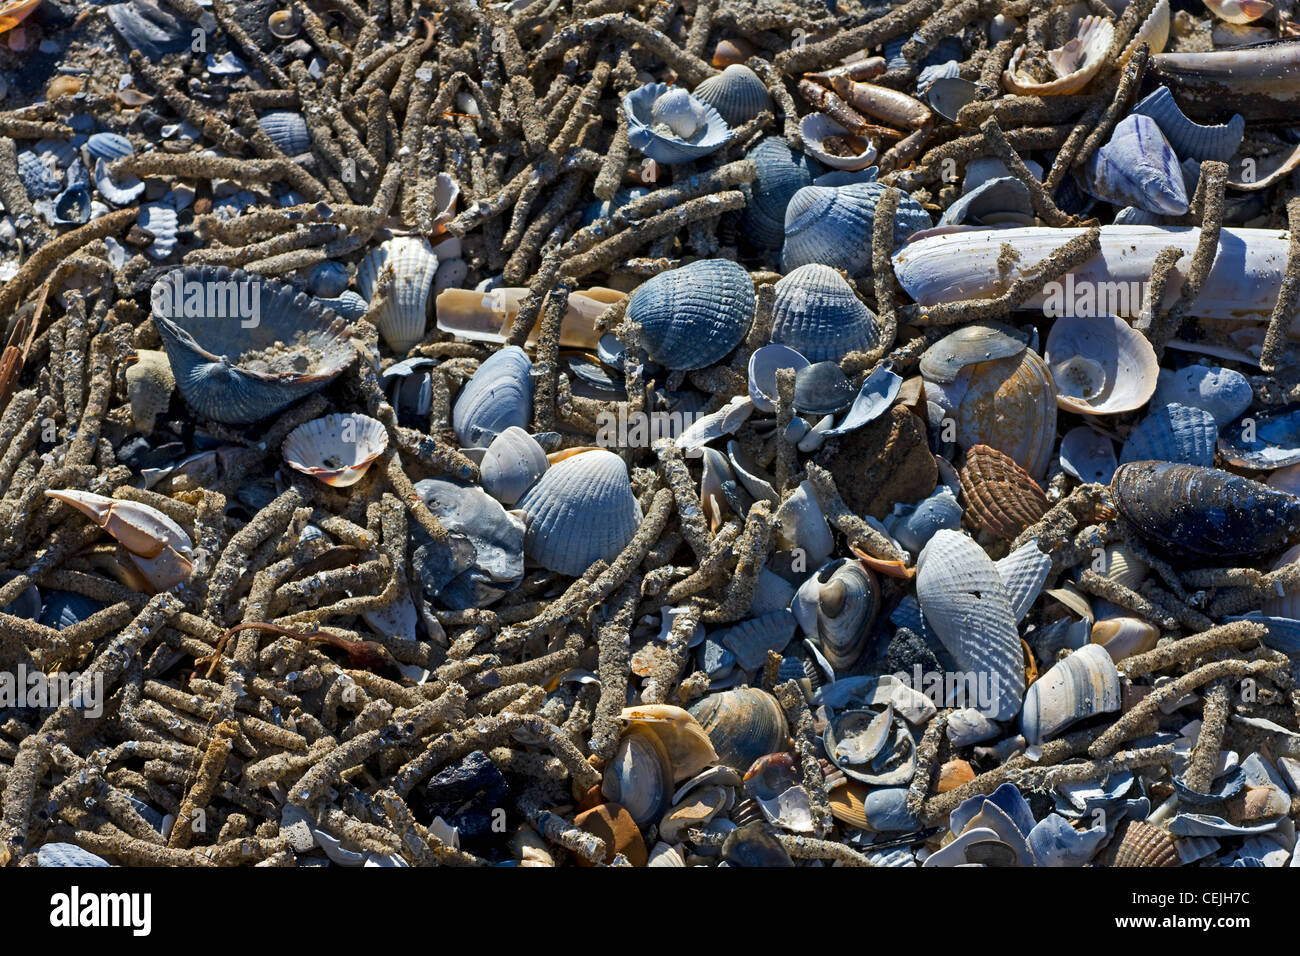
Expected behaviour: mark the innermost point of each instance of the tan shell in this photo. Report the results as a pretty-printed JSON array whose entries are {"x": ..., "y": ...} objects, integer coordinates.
[
  {"x": 489, "y": 316},
  {"x": 1154, "y": 32},
  {"x": 688, "y": 746},
  {"x": 1075, "y": 64},
  {"x": 1123, "y": 566},
  {"x": 848, "y": 803},
  {"x": 1141, "y": 844},
  {"x": 1239, "y": 12},
  {"x": 1000, "y": 496},
  {"x": 149, "y": 385},
  {"x": 157, "y": 545},
  {"x": 336, "y": 449},
  {"x": 1125, "y": 636}
]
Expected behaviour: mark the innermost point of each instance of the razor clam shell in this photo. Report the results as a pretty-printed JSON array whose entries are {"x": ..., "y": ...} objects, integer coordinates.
[
  {"x": 1261, "y": 82},
  {"x": 693, "y": 316},
  {"x": 1242, "y": 283},
  {"x": 967, "y": 607},
  {"x": 817, "y": 314},
  {"x": 780, "y": 173},
  {"x": 832, "y": 226},
  {"x": 581, "y": 510},
  {"x": 511, "y": 465},
  {"x": 498, "y": 396},
  {"x": 1191, "y": 140},
  {"x": 1173, "y": 433},
  {"x": 736, "y": 93},
  {"x": 405, "y": 314},
  {"x": 1083, "y": 685}
]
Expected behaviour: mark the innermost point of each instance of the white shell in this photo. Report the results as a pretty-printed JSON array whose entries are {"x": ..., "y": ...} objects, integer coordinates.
[
  {"x": 337, "y": 449},
  {"x": 816, "y": 128},
  {"x": 1075, "y": 64},
  {"x": 1081, "y": 686},
  {"x": 1101, "y": 366},
  {"x": 406, "y": 313},
  {"x": 1024, "y": 572},
  {"x": 800, "y": 523}
]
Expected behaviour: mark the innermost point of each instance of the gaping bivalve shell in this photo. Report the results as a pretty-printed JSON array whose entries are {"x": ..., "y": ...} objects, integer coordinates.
[
  {"x": 337, "y": 449},
  {"x": 669, "y": 125},
  {"x": 1101, "y": 366},
  {"x": 1000, "y": 496},
  {"x": 1074, "y": 64},
  {"x": 406, "y": 312},
  {"x": 832, "y": 225},
  {"x": 243, "y": 348},
  {"x": 836, "y": 607},
  {"x": 580, "y": 511},
  {"x": 743, "y": 724},
  {"x": 692, "y": 317},
  {"x": 1083, "y": 685},
  {"x": 817, "y": 314},
  {"x": 736, "y": 93},
  {"x": 497, "y": 397}
]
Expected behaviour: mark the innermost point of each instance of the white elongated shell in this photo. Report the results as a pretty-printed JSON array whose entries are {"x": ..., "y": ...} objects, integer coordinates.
[
  {"x": 1101, "y": 366},
  {"x": 415, "y": 266},
  {"x": 817, "y": 128},
  {"x": 1075, "y": 64},
  {"x": 736, "y": 93},
  {"x": 580, "y": 511},
  {"x": 1083, "y": 685},
  {"x": 946, "y": 266},
  {"x": 336, "y": 449},
  {"x": 967, "y": 606},
  {"x": 512, "y": 463}
]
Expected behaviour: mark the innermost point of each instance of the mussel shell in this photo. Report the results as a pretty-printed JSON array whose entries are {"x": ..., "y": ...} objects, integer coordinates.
[
  {"x": 817, "y": 313},
  {"x": 780, "y": 173},
  {"x": 822, "y": 389},
  {"x": 837, "y": 607},
  {"x": 692, "y": 317},
  {"x": 743, "y": 724},
  {"x": 497, "y": 397},
  {"x": 753, "y": 845}
]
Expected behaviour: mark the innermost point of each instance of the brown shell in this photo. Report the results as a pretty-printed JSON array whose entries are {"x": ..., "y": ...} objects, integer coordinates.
[
  {"x": 1141, "y": 844},
  {"x": 1000, "y": 496}
]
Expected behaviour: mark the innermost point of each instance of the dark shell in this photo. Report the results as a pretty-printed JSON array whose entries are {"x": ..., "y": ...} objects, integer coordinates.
[
  {"x": 743, "y": 725},
  {"x": 1000, "y": 496},
  {"x": 781, "y": 172},
  {"x": 693, "y": 316},
  {"x": 1205, "y": 513}
]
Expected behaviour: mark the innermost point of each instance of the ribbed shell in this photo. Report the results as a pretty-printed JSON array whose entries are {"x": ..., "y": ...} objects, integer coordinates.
[
  {"x": 337, "y": 449},
  {"x": 693, "y": 316},
  {"x": 832, "y": 225},
  {"x": 406, "y": 314},
  {"x": 1154, "y": 32},
  {"x": 736, "y": 93},
  {"x": 119, "y": 191},
  {"x": 287, "y": 130},
  {"x": 966, "y": 604},
  {"x": 499, "y": 395},
  {"x": 38, "y": 178},
  {"x": 327, "y": 280},
  {"x": 1138, "y": 167},
  {"x": 108, "y": 146},
  {"x": 1000, "y": 496},
  {"x": 663, "y": 146},
  {"x": 580, "y": 511},
  {"x": 743, "y": 724},
  {"x": 780, "y": 173},
  {"x": 513, "y": 462},
  {"x": 160, "y": 219},
  {"x": 1222, "y": 392},
  {"x": 1142, "y": 844},
  {"x": 1173, "y": 433},
  {"x": 1024, "y": 572},
  {"x": 203, "y": 349},
  {"x": 837, "y": 606},
  {"x": 1081, "y": 686},
  {"x": 817, "y": 314},
  {"x": 1192, "y": 140}
]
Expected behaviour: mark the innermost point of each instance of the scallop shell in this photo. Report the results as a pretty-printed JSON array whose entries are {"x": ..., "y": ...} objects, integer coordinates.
[
  {"x": 1239, "y": 12},
  {"x": 744, "y": 723},
  {"x": 817, "y": 313},
  {"x": 693, "y": 316},
  {"x": 1137, "y": 167},
  {"x": 780, "y": 172},
  {"x": 1075, "y": 64},
  {"x": 149, "y": 386},
  {"x": 405, "y": 315},
  {"x": 580, "y": 511},
  {"x": 513, "y": 462},
  {"x": 1088, "y": 455},
  {"x": 832, "y": 225},
  {"x": 669, "y": 125},
  {"x": 1000, "y": 496},
  {"x": 816, "y": 129},
  {"x": 736, "y": 93},
  {"x": 1191, "y": 140},
  {"x": 1083, "y": 685},
  {"x": 1100, "y": 366},
  {"x": 498, "y": 396},
  {"x": 837, "y": 607},
  {"x": 639, "y": 776},
  {"x": 967, "y": 607},
  {"x": 210, "y": 352},
  {"x": 1173, "y": 433},
  {"x": 1154, "y": 32},
  {"x": 287, "y": 130},
  {"x": 337, "y": 449}
]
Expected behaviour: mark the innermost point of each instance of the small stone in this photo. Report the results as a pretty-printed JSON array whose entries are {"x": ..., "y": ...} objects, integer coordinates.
[{"x": 613, "y": 824}]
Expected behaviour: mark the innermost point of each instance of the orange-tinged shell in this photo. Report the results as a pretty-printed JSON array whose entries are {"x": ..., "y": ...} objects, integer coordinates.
[
  {"x": 954, "y": 774},
  {"x": 1000, "y": 496},
  {"x": 732, "y": 51},
  {"x": 848, "y": 804},
  {"x": 1141, "y": 844}
]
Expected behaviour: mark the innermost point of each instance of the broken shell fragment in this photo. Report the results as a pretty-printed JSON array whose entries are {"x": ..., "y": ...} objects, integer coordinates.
[
  {"x": 1083, "y": 685},
  {"x": 158, "y": 546},
  {"x": 1074, "y": 64}
]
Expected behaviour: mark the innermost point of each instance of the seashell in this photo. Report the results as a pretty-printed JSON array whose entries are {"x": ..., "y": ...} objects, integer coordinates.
[
  {"x": 581, "y": 510},
  {"x": 337, "y": 449},
  {"x": 287, "y": 131},
  {"x": 994, "y": 202},
  {"x": 1222, "y": 392},
  {"x": 780, "y": 172},
  {"x": 1088, "y": 455},
  {"x": 146, "y": 27},
  {"x": 874, "y": 398},
  {"x": 1239, "y": 12},
  {"x": 1133, "y": 216},
  {"x": 405, "y": 314},
  {"x": 1075, "y": 64},
  {"x": 498, "y": 396},
  {"x": 913, "y": 525},
  {"x": 159, "y": 220},
  {"x": 1173, "y": 433},
  {"x": 669, "y": 125},
  {"x": 978, "y": 342},
  {"x": 831, "y": 225},
  {"x": 1154, "y": 32},
  {"x": 1264, "y": 441},
  {"x": 733, "y": 50},
  {"x": 967, "y": 606},
  {"x": 836, "y": 607},
  {"x": 39, "y": 178},
  {"x": 753, "y": 845},
  {"x": 687, "y": 745},
  {"x": 1141, "y": 844},
  {"x": 764, "y": 363},
  {"x": 327, "y": 280},
  {"x": 157, "y": 545},
  {"x": 752, "y": 639},
  {"x": 833, "y": 145},
  {"x": 871, "y": 747},
  {"x": 889, "y": 106},
  {"x": 348, "y": 305},
  {"x": 743, "y": 724},
  {"x": 72, "y": 207},
  {"x": 725, "y": 421},
  {"x": 1124, "y": 636},
  {"x": 639, "y": 776},
  {"x": 700, "y": 806},
  {"x": 1000, "y": 496},
  {"x": 1137, "y": 167},
  {"x": 1258, "y": 81},
  {"x": 67, "y": 854},
  {"x": 283, "y": 24},
  {"x": 938, "y": 71},
  {"x": 1203, "y": 512},
  {"x": 489, "y": 316},
  {"x": 1083, "y": 685},
  {"x": 817, "y": 313},
  {"x": 1191, "y": 140},
  {"x": 754, "y": 480},
  {"x": 1100, "y": 366},
  {"x": 108, "y": 146},
  {"x": 1054, "y": 841},
  {"x": 513, "y": 463},
  {"x": 822, "y": 389},
  {"x": 235, "y": 371},
  {"x": 149, "y": 386},
  {"x": 62, "y": 609},
  {"x": 693, "y": 316},
  {"x": 949, "y": 94},
  {"x": 736, "y": 93},
  {"x": 1024, "y": 572},
  {"x": 800, "y": 523},
  {"x": 483, "y": 557}
]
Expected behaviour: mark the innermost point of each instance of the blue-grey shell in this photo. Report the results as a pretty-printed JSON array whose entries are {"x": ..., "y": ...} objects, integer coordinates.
[
  {"x": 751, "y": 639},
  {"x": 483, "y": 557},
  {"x": 1173, "y": 433},
  {"x": 580, "y": 511},
  {"x": 160, "y": 219},
  {"x": 1137, "y": 167},
  {"x": 913, "y": 526},
  {"x": 72, "y": 207},
  {"x": 61, "y": 609},
  {"x": 347, "y": 304},
  {"x": 38, "y": 178},
  {"x": 832, "y": 225},
  {"x": 1133, "y": 216},
  {"x": 1088, "y": 455},
  {"x": 994, "y": 202},
  {"x": 149, "y": 28},
  {"x": 780, "y": 172},
  {"x": 327, "y": 280},
  {"x": 817, "y": 314},
  {"x": 664, "y": 147},
  {"x": 1263, "y": 441},
  {"x": 109, "y": 146},
  {"x": 287, "y": 130},
  {"x": 499, "y": 395},
  {"x": 736, "y": 93},
  {"x": 205, "y": 350},
  {"x": 1222, "y": 392},
  {"x": 693, "y": 316},
  {"x": 1191, "y": 140}
]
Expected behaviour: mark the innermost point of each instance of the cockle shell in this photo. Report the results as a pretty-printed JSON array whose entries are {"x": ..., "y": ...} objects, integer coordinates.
[
  {"x": 1239, "y": 12},
  {"x": 836, "y": 607},
  {"x": 1173, "y": 433},
  {"x": 832, "y": 225},
  {"x": 149, "y": 386},
  {"x": 1074, "y": 64},
  {"x": 1191, "y": 140},
  {"x": 1154, "y": 32},
  {"x": 817, "y": 313},
  {"x": 743, "y": 724},
  {"x": 1024, "y": 572},
  {"x": 736, "y": 93},
  {"x": 337, "y": 449},
  {"x": 1101, "y": 366},
  {"x": 693, "y": 316},
  {"x": 287, "y": 130},
  {"x": 1141, "y": 844},
  {"x": 669, "y": 125},
  {"x": 1081, "y": 686},
  {"x": 107, "y": 146},
  {"x": 498, "y": 396},
  {"x": 780, "y": 172},
  {"x": 1137, "y": 167},
  {"x": 833, "y": 145},
  {"x": 157, "y": 545},
  {"x": 405, "y": 315},
  {"x": 1000, "y": 496},
  {"x": 581, "y": 510},
  {"x": 511, "y": 465},
  {"x": 965, "y": 603}
]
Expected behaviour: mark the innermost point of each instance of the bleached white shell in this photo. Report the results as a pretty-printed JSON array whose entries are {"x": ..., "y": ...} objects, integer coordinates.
[
  {"x": 1075, "y": 64},
  {"x": 1101, "y": 366},
  {"x": 1081, "y": 686},
  {"x": 511, "y": 464},
  {"x": 1024, "y": 572},
  {"x": 800, "y": 523},
  {"x": 415, "y": 266},
  {"x": 337, "y": 449}
]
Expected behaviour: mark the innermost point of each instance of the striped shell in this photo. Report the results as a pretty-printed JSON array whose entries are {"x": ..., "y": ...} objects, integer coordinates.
[
  {"x": 743, "y": 724},
  {"x": 1137, "y": 167},
  {"x": 108, "y": 146},
  {"x": 1000, "y": 496},
  {"x": 1081, "y": 686},
  {"x": 513, "y": 462},
  {"x": 1075, "y": 64},
  {"x": 287, "y": 130},
  {"x": 159, "y": 218},
  {"x": 498, "y": 396},
  {"x": 736, "y": 93},
  {"x": 1141, "y": 844},
  {"x": 818, "y": 314},
  {"x": 405, "y": 315},
  {"x": 1101, "y": 365},
  {"x": 692, "y": 317},
  {"x": 1191, "y": 140},
  {"x": 1173, "y": 433},
  {"x": 336, "y": 449},
  {"x": 780, "y": 172},
  {"x": 966, "y": 604},
  {"x": 836, "y": 607},
  {"x": 832, "y": 225},
  {"x": 580, "y": 511}
]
